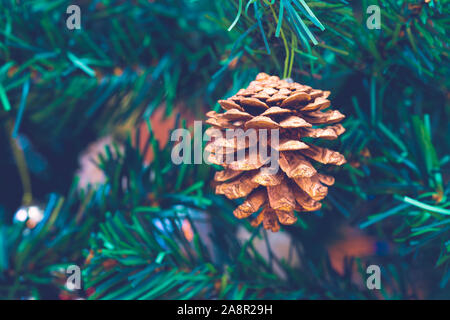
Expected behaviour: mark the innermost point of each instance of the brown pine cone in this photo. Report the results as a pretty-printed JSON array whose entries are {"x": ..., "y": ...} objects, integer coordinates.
[{"x": 296, "y": 111}]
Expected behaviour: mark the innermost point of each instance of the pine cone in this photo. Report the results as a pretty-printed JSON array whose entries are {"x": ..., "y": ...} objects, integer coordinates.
[{"x": 294, "y": 109}]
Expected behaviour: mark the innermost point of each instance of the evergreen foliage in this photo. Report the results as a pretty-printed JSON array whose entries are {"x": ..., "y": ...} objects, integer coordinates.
[{"x": 62, "y": 89}]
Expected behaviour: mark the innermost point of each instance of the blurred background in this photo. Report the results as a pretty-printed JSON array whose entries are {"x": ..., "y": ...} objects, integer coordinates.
[{"x": 86, "y": 177}]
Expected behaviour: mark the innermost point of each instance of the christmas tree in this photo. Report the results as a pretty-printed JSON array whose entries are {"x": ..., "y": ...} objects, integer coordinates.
[{"x": 92, "y": 205}]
